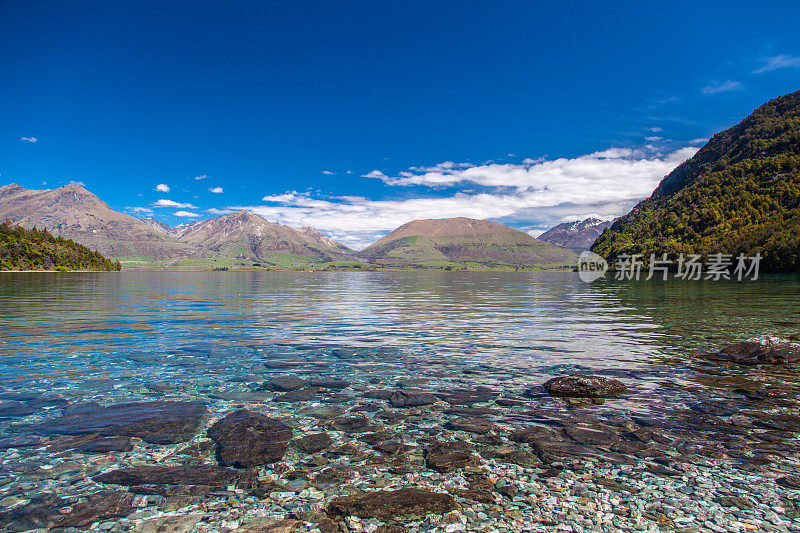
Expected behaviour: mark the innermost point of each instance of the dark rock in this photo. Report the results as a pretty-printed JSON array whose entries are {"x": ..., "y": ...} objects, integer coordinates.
[
  {"x": 762, "y": 350},
  {"x": 316, "y": 442},
  {"x": 15, "y": 410},
  {"x": 510, "y": 454},
  {"x": 408, "y": 503},
  {"x": 329, "y": 383},
  {"x": 334, "y": 475},
  {"x": 155, "y": 422},
  {"x": 212, "y": 476},
  {"x": 169, "y": 491},
  {"x": 734, "y": 501},
  {"x": 534, "y": 434},
  {"x": 378, "y": 394},
  {"x": 449, "y": 456},
  {"x": 245, "y": 438},
  {"x": 590, "y": 436},
  {"x": 389, "y": 447},
  {"x": 472, "y": 411},
  {"x": 300, "y": 395},
  {"x": 509, "y": 402},
  {"x": 106, "y": 444},
  {"x": 98, "y": 507},
  {"x": 350, "y": 424},
  {"x": 471, "y": 424},
  {"x": 41, "y": 512},
  {"x": 790, "y": 482},
  {"x": 21, "y": 441},
  {"x": 411, "y": 399},
  {"x": 583, "y": 386},
  {"x": 287, "y": 383},
  {"x": 467, "y": 396}
]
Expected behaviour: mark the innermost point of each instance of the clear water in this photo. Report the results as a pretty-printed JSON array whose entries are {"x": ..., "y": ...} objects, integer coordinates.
[{"x": 80, "y": 333}]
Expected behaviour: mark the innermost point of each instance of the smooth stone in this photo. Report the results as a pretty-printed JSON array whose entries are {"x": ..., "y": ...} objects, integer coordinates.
[
  {"x": 212, "y": 476},
  {"x": 762, "y": 350},
  {"x": 99, "y": 506},
  {"x": 287, "y": 383},
  {"x": 245, "y": 438},
  {"x": 467, "y": 396},
  {"x": 583, "y": 386},
  {"x": 12, "y": 409},
  {"x": 470, "y": 424},
  {"x": 299, "y": 395},
  {"x": 329, "y": 383},
  {"x": 350, "y": 424},
  {"x": 313, "y": 443},
  {"x": 449, "y": 456},
  {"x": 154, "y": 422},
  {"x": 407, "y": 503},
  {"x": 411, "y": 399},
  {"x": 106, "y": 444}
]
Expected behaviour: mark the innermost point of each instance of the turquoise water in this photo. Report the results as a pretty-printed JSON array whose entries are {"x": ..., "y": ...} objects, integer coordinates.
[{"x": 67, "y": 332}]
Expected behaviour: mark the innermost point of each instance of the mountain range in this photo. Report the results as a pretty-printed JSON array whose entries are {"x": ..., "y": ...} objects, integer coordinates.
[
  {"x": 740, "y": 193},
  {"x": 577, "y": 236},
  {"x": 243, "y": 239}
]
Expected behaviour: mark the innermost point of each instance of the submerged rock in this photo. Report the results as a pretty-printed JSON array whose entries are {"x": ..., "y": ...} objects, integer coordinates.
[
  {"x": 584, "y": 386},
  {"x": 245, "y": 438},
  {"x": 99, "y": 506},
  {"x": 316, "y": 442},
  {"x": 408, "y": 503},
  {"x": 287, "y": 383},
  {"x": 411, "y": 399},
  {"x": 762, "y": 350},
  {"x": 471, "y": 424},
  {"x": 212, "y": 476},
  {"x": 299, "y": 395},
  {"x": 154, "y": 422},
  {"x": 449, "y": 456}
]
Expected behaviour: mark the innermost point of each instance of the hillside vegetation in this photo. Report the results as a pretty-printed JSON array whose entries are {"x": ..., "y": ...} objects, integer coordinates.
[
  {"x": 32, "y": 249},
  {"x": 739, "y": 194}
]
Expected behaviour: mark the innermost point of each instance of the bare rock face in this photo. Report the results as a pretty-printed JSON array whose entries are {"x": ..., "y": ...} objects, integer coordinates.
[
  {"x": 408, "y": 503},
  {"x": 245, "y": 438},
  {"x": 154, "y": 422},
  {"x": 581, "y": 386},
  {"x": 762, "y": 350}
]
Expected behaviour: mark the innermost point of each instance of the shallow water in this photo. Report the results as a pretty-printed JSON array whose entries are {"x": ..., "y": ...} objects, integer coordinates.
[
  {"x": 63, "y": 329},
  {"x": 73, "y": 342}
]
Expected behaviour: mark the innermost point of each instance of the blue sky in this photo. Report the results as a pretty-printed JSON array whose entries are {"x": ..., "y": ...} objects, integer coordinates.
[{"x": 356, "y": 117}]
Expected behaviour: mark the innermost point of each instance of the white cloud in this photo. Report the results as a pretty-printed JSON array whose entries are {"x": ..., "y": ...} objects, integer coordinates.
[
  {"x": 162, "y": 187},
  {"x": 215, "y": 211},
  {"x": 171, "y": 203},
  {"x": 186, "y": 214},
  {"x": 73, "y": 182},
  {"x": 29, "y": 139},
  {"x": 328, "y": 172},
  {"x": 779, "y": 61},
  {"x": 722, "y": 87},
  {"x": 540, "y": 192},
  {"x": 216, "y": 190},
  {"x": 656, "y": 129},
  {"x": 653, "y": 139},
  {"x": 200, "y": 177},
  {"x": 141, "y": 209},
  {"x": 699, "y": 140}
]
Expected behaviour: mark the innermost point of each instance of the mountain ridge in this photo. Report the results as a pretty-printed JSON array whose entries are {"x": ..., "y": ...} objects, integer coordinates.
[
  {"x": 578, "y": 235},
  {"x": 740, "y": 193}
]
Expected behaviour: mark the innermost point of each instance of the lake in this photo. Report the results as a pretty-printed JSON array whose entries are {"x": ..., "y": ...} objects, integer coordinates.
[{"x": 218, "y": 338}]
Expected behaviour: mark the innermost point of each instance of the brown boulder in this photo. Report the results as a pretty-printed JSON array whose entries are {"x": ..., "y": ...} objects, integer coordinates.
[
  {"x": 762, "y": 350},
  {"x": 245, "y": 438},
  {"x": 584, "y": 386},
  {"x": 408, "y": 503}
]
